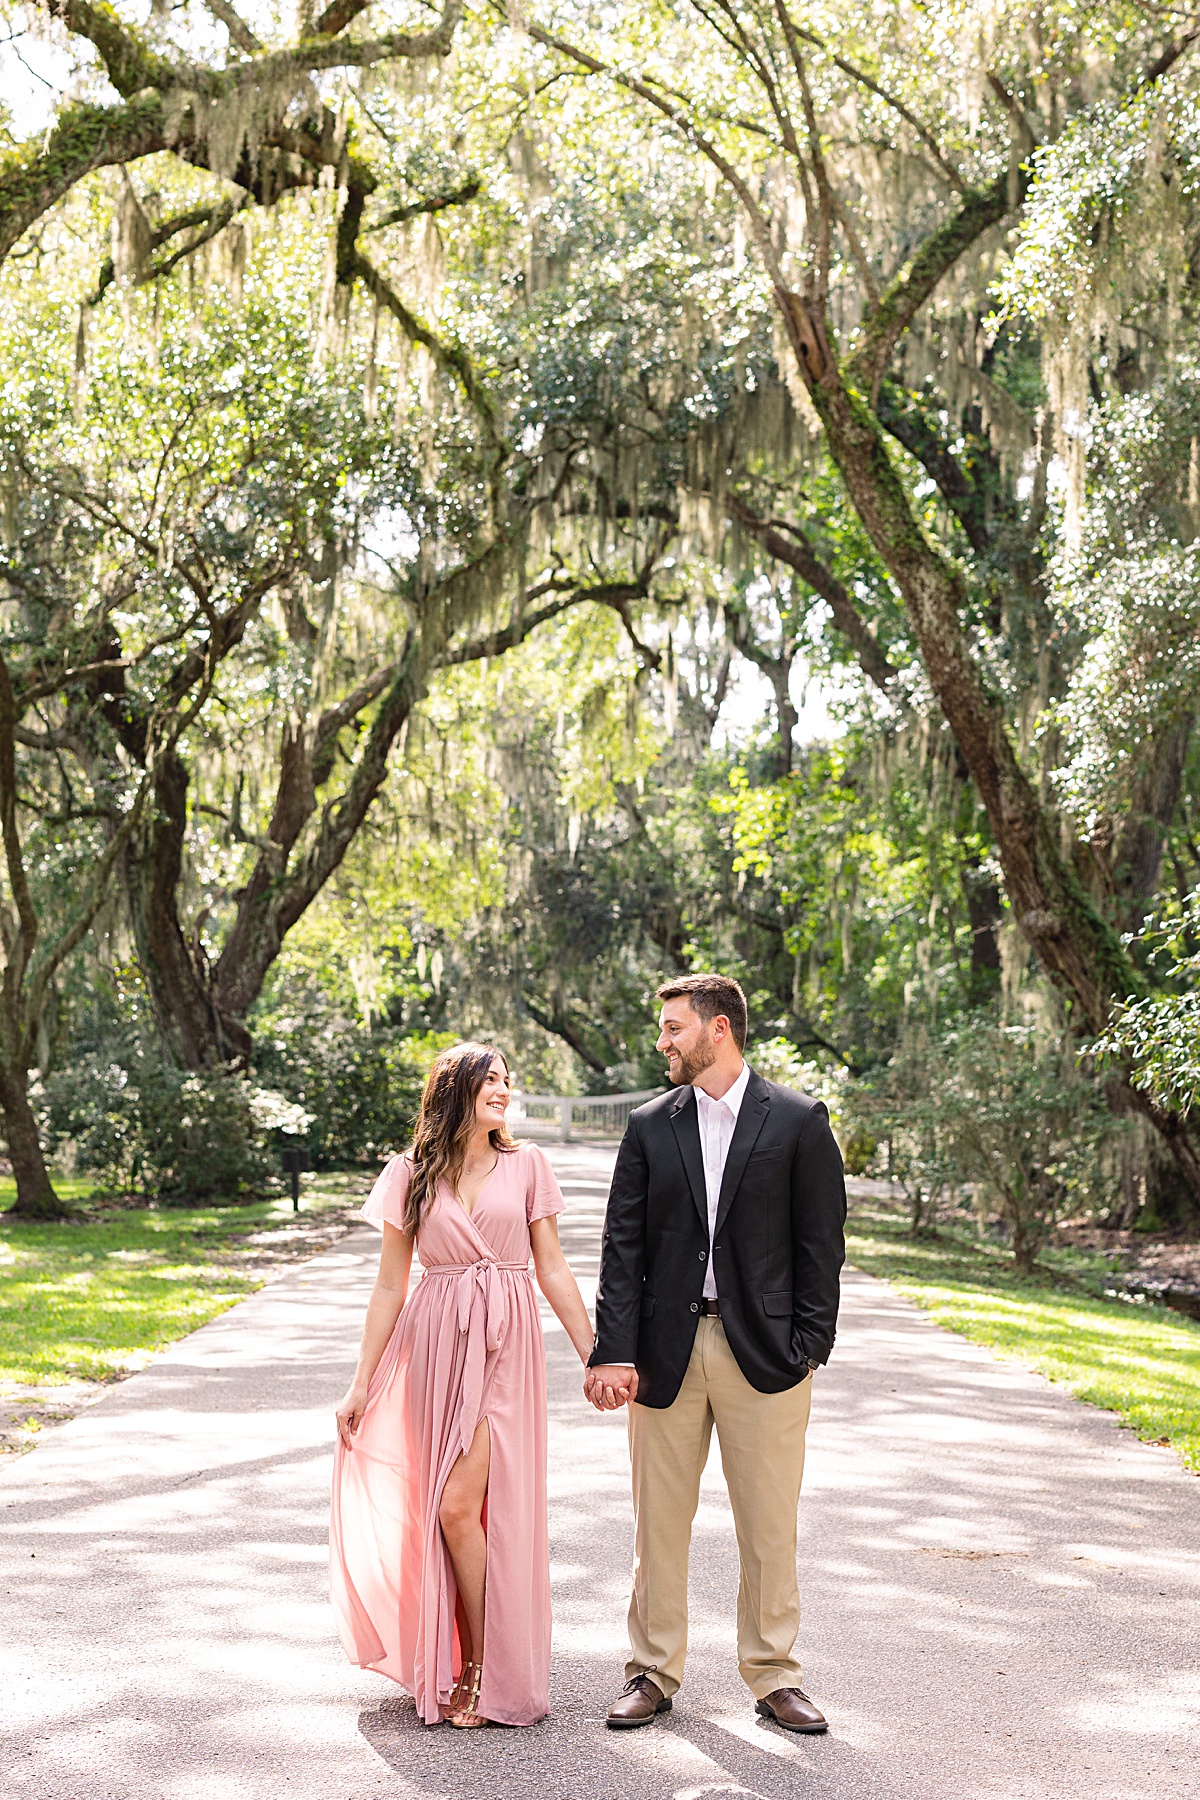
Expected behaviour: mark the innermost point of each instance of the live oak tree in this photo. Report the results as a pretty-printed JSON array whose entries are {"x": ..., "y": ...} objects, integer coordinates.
[
  {"x": 713, "y": 344},
  {"x": 152, "y": 512},
  {"x": 248, "y": 112},
  {"x": 255, "y": 122},
  {"x": 878, "y": 165},
  {"x": 57, "y": 864}
]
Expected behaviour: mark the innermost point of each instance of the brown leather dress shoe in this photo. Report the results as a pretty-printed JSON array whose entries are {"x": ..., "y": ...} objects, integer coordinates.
[
  {"x": 793, "y": 1710},
  {"x": 637, "y": 1703}
]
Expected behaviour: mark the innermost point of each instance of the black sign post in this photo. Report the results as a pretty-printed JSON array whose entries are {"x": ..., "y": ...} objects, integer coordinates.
[{"x": 295, "y": 1159}]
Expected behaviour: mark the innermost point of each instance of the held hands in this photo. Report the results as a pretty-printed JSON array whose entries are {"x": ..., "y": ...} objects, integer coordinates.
[
  {"x": 610, "y": 1385},
  {"x": 350, "y": 1412}
]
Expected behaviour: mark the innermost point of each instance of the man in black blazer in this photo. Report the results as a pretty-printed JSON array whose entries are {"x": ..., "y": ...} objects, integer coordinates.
[{"x": 718, "y": 1296}]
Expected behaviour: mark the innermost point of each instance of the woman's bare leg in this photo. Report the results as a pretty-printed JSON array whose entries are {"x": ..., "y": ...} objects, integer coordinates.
[{"x": 461, "y": 1518}]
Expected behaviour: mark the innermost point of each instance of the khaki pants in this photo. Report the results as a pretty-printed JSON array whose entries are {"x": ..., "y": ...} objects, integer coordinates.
[{"x": 762, "y": 1453}]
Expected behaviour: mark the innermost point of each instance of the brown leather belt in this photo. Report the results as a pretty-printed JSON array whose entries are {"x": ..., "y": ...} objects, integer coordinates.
[{"x": 711, "y": 1309}]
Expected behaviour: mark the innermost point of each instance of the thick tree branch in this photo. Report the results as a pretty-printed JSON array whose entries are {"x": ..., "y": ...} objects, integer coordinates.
[
  {"x": 559, "y": 1025},
  {"x": 906, "y": 419},
  {"x": 338, "y": 15},
  {"x": 49, "y": 741},
  {"x": 20, "y": 945},
  {"x": 131, "y": 63},
  {"x": 496, "y": 643},
  {"x": 312, "y": 55},
  {"x": 204, "y": 222},
  {"x": 616, "y": 595},
  {"x": 1077, "y": 949},
  {"x": 908, "y": 290},
  {"x": 436, "y": 203},
  {"x": 35, "y": 175},
  {"x": 336, "y": 718},
  {"x": 451, "y": 359},
  {"x": 271, "y": 903},
  {"x": 158, "y": 114},
  {"x": 620, "y": 603},
  {"x": 1170, "y": 56},
  {"x": 1015, "y": 111},
  {"x": 53, "y": 684},
  {"x": 798, "y": 552},
  {"x": 236, "y": 26}
]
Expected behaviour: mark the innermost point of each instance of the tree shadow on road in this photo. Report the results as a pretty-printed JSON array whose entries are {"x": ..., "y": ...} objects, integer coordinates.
[{"x": 572, "y": 1756}]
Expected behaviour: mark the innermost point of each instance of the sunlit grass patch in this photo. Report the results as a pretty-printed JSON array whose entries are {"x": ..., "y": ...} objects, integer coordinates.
[
  {"x": 1141, "y": 1362},
  {"x": 94, "y": 1300}
]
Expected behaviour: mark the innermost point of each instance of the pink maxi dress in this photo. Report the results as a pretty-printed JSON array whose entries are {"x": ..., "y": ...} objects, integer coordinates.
[{"x": 467, "y": 1346}]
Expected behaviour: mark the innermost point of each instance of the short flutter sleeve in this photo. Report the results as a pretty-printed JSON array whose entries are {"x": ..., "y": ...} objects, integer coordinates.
[
  {"x": 543, "y": 1196},
  {"x": 384, "y": 1204}
]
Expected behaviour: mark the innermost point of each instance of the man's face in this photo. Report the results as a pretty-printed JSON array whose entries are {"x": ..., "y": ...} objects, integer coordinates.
[{"x": 685, "y": 1039}]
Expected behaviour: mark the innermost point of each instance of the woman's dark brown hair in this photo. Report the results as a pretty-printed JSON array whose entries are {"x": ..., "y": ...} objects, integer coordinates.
[{"x": 445, "y": 1123}]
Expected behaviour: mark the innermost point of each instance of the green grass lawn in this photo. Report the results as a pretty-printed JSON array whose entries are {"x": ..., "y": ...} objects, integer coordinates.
[
  {"x": 1140, "y": 1361},
  {"x": 94, "y": 1299}
]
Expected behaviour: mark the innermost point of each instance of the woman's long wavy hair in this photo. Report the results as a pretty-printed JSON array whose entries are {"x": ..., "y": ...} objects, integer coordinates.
[{"x": 445, "y": 1123}]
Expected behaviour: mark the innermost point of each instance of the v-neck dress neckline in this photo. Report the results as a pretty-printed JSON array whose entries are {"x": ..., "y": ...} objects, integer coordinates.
[
  {"x": 487, "y": 1182},
  {"x": 467, "y": 1346}
]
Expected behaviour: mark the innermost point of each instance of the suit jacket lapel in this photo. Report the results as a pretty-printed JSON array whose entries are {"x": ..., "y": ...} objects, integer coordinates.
[
  {"x": 756, "y": 1104},
  {"x": 685, "y": 1117}
]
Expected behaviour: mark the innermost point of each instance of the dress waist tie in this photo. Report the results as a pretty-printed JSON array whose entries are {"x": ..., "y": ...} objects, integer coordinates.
[{"x": 483, "y": 1319}]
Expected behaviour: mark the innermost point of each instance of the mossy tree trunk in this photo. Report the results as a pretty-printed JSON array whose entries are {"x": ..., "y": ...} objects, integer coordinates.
[
  {"x": 36, "y": 1198},
  {"x": 202, "y": 1007},
  {"x": 1078, "y": 949},
  {"x": 176, "y": 971},
  {"x": 32, "y": 957}
]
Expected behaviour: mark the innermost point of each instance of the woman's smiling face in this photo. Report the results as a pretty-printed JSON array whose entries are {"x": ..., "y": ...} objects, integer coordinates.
[{"x": 491, "y": 1102}]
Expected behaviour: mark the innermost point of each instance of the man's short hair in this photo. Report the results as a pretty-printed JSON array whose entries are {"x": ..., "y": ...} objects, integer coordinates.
[{"x": 710, "y": 995}]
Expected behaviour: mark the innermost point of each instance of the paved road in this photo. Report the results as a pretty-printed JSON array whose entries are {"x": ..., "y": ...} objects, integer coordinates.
[{"x": 1002, "y": 1587}]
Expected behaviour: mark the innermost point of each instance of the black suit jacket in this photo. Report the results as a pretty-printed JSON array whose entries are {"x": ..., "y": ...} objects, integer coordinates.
[{"x": 778, "y": 1247}]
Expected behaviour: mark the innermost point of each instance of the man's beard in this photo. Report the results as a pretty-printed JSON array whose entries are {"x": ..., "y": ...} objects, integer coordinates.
[{"x": 685, "y": 1071}]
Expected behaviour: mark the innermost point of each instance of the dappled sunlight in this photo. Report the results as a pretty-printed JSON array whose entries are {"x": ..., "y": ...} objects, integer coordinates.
[
  {"x": 972, "y": 1543},
  {"x": 1143, "y": 1362},
  {"x": 1170, "y": 1706}
]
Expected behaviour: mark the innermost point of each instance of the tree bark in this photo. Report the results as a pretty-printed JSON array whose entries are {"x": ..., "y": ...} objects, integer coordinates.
[
  {"x": 778, "y": 671},
  {"x": 189, "y": 1020},
  {"x": 1078, "y": 949},
  {"x": 36, "y": 1198},
  {"x": 273, "y": 900},
  {"x": 1136, "y": 854},
  {"x": 558, "y": 1025},
  {"x": 985, "y": 914},
  {"x": 797, "y": 551}
]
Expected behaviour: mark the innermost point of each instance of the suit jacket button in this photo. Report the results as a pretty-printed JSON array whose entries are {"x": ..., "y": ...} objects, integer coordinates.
[
  {"x": 695, "y": 1308},
  {"x": 704, "y": 1256}
]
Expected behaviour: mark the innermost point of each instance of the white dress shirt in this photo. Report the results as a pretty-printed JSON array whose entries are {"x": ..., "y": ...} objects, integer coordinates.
[{"x": 717, "y": 1119}]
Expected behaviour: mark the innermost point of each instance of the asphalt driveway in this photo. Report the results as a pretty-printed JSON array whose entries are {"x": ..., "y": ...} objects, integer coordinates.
[{"x": 1002, "y": 1586}]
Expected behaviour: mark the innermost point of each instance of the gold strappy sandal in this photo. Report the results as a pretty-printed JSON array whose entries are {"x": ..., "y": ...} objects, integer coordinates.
[
  {"x": 454, "y": 1703},
  {"x": 464, "y": 1701}
]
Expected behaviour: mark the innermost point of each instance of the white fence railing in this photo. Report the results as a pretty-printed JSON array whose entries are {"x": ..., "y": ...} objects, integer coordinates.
[{"x": 572, "y": 1116}]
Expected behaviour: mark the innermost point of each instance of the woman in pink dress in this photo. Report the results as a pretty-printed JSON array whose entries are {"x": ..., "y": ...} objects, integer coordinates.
[{"x": 439, "y": 1559}]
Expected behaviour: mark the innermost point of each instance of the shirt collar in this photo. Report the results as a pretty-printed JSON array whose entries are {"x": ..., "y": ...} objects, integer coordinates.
[{"x": 732, "y": 1098}]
